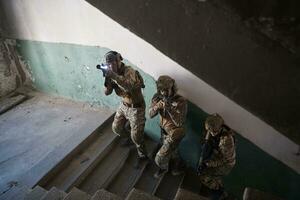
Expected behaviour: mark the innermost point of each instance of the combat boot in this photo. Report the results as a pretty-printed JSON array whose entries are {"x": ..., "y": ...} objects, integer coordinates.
[{"x": 160, "y": 173}]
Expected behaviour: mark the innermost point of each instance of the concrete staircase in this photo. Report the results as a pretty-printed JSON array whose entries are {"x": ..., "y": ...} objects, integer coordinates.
[
  {"x": 101, "y": 168},
  {"x": 38, "y": 193}
]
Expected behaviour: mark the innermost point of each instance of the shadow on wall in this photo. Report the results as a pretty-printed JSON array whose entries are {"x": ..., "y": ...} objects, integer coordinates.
[
  {"x": 69, "y": 70},
  {"x": 194, "y": 34}
]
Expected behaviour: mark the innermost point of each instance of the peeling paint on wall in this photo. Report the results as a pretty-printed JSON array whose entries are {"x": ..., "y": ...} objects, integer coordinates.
[{"x": 12, "y": 69}]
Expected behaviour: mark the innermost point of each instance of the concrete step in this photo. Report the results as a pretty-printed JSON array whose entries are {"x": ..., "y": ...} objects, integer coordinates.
[
  {"x": 78, "y": 132},
  {"x": 169, "y": 186},
  {"x": 254, "y": 194},
  {"x": 106, "y": 170},
  {"x": 183, "y": 194},
  {"x": 36, "y": 194},
  {"x": 105, "y": 195},
  {"x": 85, "y": 161},
  {"x": 136, "y": 194},
  {"x": 191, "y": 182},
  {"x": 191, "y": 188},
  {"x": 11, "y": 101},
  {"x": 16, "y": 193},
  {"x": 147, "y": 182},
  {"x": 54, "y": 194},
  {"x": 129, "y": 174},
  {"x": 76, "y": 194}
]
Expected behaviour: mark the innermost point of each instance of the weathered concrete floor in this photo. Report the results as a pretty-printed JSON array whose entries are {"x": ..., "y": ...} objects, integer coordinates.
[{"x": 32, "y": 130}]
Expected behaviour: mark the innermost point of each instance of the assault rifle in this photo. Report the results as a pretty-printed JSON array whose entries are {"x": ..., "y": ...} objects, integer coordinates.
[{"x": 205, "y": 153}]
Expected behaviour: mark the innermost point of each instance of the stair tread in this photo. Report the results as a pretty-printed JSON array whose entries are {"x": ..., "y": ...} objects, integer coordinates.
[
  {"x": 54, "y": 194},
  {"x": 128, "y": 176},
  {"x": 36, "y": 194},
  {"x": 76, "y": 194},
  {"x": 136, "y": 194},
  {"x": 9, "y": 102},
  {"x": 80, "y": 166},
  {"x": 191, "y": 181},
  {"x": 183, "y": 194},
  {"x": 106, "y": 170},
  {"x": 147, "y": 182},
  {"x": 16, "y": 193},
  {"x": 105, "y": 195},
  {"x": 168, "y": 186},
  {"x": 254, "y": 194}
]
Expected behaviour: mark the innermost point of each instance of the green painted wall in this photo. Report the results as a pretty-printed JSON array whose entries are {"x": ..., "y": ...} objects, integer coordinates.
[{"x": 69, "y": 70}]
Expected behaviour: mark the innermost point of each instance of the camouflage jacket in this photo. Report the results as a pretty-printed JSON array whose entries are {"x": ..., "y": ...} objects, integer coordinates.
[
  {"x": 174, "y": 113},
  {"x": 224, "y": 150},
  {"x": 128, "y": 85}
]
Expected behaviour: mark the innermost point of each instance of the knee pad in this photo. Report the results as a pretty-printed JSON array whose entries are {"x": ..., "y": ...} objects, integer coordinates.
[
  {"x": 161, "y": 162},
  {"x": 117, "y": 129}
]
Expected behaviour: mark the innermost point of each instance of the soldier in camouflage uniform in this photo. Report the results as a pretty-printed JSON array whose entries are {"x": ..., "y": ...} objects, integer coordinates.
[
  {"x": 127, "y": 83},
  {"x": 172, "y": 109},
  {"x": 222, "y": 158}
]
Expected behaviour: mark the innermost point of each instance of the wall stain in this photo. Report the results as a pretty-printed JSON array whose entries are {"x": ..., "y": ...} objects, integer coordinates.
[{"x": 12, "y": 70}]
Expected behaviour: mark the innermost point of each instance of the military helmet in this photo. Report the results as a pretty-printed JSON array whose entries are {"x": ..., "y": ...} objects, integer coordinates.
[
  {"x": 214, "y": 123},
  {"x": 112, "y": 56},
  {"x": 165, "y": 83}
]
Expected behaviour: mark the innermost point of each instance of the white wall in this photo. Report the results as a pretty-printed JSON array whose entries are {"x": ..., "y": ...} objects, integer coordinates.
[{"x": 78, "y": 22}]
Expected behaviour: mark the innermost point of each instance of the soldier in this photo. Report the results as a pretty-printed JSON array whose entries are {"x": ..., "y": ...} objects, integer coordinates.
[
  {"x": 222, "y": 156},
  {"x": 172, "y": 109},
  {"x": 127, "y": 83}
]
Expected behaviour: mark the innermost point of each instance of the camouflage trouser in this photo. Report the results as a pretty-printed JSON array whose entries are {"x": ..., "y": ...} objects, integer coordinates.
[
  {"x": 136, "y": 118},
  {"x": 212, "y": 176},
  {"x": 168, "y": 151}
]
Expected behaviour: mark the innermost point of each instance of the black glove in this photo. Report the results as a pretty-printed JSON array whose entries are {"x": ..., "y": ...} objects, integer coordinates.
[
  {"x": 108, "y": 82},
  {"x": 156, "y": 98}
]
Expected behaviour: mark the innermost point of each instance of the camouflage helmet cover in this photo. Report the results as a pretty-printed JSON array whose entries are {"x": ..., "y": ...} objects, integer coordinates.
[
  {"x": 112, "y": 56},
  {"x": 165, "y": 83},
  {"x": 214, "y": 123}
]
